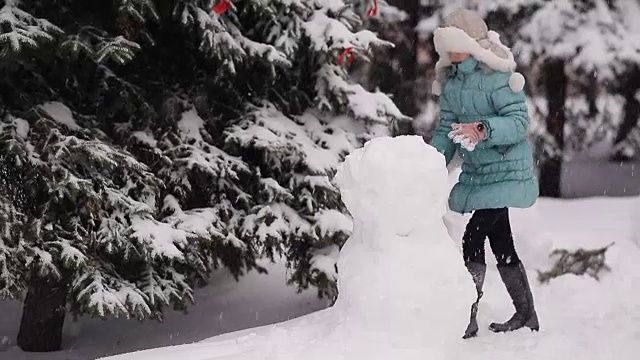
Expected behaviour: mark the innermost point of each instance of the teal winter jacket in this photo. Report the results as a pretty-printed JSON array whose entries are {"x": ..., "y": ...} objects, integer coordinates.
[{"x": 499, "y": 172}]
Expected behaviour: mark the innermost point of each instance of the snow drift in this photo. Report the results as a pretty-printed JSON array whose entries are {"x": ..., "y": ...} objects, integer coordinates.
[{"x": 403, "y": 290}]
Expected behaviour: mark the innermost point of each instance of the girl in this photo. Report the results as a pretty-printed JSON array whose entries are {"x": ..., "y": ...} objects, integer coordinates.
[{"x": 483, "y": 116}]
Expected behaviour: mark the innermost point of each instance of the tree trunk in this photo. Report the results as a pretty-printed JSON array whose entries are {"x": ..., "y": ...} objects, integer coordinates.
[
  {"x": 555, "y": 83},
  {"x": 550, "y": 174},
  {"x": 406, "y": 54},
  {"x": 43, "y": 315},
  {"x": 630, "y": 120},
  {"x": 631, "y": 110}
]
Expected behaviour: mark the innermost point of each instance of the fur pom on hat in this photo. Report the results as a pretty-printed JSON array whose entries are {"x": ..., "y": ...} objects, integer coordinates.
[{"x": 466, "y": 32}]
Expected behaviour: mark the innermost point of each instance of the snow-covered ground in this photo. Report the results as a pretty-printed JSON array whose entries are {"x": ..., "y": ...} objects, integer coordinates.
[
  {"x": 580, "y": 317},
  {"x": 222, "y": 307}
]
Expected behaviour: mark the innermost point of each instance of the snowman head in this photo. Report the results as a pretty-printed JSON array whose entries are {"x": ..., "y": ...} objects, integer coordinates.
[{"x": 397, "y": 183}]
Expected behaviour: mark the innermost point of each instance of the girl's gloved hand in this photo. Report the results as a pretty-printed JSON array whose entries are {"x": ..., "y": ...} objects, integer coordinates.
[{"x": 468, "y": 135}]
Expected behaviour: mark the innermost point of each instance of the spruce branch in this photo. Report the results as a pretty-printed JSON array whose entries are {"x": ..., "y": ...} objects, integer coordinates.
[
  {"x": 139, "y": 10},
  {"x": 19, "y": 29},
  {"x": 579, "y": 262},
  {"x": 99, "y": 46},
  {"x": 118, "y": 49}
]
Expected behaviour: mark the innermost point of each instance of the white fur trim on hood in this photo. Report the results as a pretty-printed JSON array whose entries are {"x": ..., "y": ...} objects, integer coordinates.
[{"x": 486, "y": 51}]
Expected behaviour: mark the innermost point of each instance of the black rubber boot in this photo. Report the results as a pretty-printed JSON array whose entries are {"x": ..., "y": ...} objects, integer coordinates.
[
  {"x": 477, "y": 271},
  {"x": 515, "y": 279}
]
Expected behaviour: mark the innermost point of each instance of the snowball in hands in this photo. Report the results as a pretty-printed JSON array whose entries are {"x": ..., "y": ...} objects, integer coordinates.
[{"x": 468, "y": 135}]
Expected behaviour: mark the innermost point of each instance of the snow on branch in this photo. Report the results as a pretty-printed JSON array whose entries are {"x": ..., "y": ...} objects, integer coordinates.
[
  {"x": 71, "y": 256},
  {"x": 19, "y": 29},
  {"x": 222, "y": 38},
  {"x": 42, "y": 260},
  {"x": 329, "y": 222},
  {"x": 328, "y": 34},
  {"x": 160, "y": 240},
  {"x": 117, "y": 49},
  {"x": 362, "y": 104},
  {"x": 324, "y": 263},
  {"x": 102, "y": 294},
  {"x": 255, "y": 49},
  {"x": 195, "y": 152},
  {"x": 284, "y": 141},
  {"x": 595, "y": 40},
  {"x": 74, "y": 155},
  {"x": 319, "y": 182},
  {"x": 588, "y": 128},
  {"x": 205, "y": 224},
  {"x": 272, "y": 225},
  {"x": 162, "y": 291},
  {"x": 100, "y": 46},
  {"x": 274, "y": 191},
  {"x": 215, "y": 39},
  {"x": 285, "y": 34}
]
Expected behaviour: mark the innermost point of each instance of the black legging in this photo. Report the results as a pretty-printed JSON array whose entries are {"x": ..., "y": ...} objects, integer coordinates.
[{"x": 494, "y": 224}]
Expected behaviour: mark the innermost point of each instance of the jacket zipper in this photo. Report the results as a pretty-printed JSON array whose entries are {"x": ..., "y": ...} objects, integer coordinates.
[
  {"x": 464, "y": 113},
  {"x": 471, "y": 157}
]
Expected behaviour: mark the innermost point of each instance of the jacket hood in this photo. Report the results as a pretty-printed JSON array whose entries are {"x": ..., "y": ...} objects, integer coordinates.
[{"x": 490, "y": 51}]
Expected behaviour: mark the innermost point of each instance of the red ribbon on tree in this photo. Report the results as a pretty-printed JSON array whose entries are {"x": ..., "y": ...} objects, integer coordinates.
[
  {"x": 344, "y": 53},
  {"x": 221, "y": 7},
  {"x": 374, "y": 10}
]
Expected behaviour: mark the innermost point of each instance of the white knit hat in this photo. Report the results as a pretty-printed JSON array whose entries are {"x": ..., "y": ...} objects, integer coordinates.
[{"x": 466, "y": 32}]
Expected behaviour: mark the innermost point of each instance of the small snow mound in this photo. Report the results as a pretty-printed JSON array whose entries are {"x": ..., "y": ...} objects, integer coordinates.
[{"x": 61, "y": 114}]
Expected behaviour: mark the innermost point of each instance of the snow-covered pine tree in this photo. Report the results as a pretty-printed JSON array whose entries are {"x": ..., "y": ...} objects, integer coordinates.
[
  {"x": 282, "y": 145},
  {"x": 146, "y": 142},
  {"x": 393, "y": 69},
  {"x": 627, "y": 140},
  {"x": 586, "y": 44}
]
